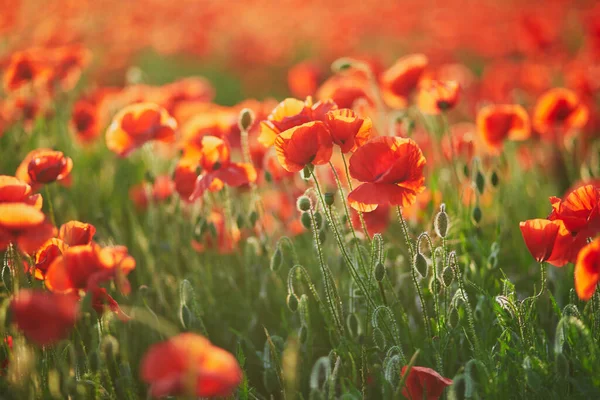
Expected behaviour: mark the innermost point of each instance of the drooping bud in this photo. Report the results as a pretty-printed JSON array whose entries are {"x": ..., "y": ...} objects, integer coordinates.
[
  {"x": 276, "y": 260},
  {"x": 246, "y": 119},
  {"x": 447, "y": 276},
  {"x": 480, "y": 182},
  {"x": 322, "y": 236},
  {"x": 306, "y": 220},
  {"x": 440, "y": 224},
  {"x": 253, "y": 218},
  {"x": 329, "y": 198},
  {"x": 379, "y": 272},
  {"x": 292, "y": 302},
  {"x": 421, "y": 265},
  {"x": 303, "y": 334},
  {"x": 318, "y": 220},
  {"x": 476, "y": 215},
  {"x": 306, "y": 172},
  {"x": 303, "y": 203}
]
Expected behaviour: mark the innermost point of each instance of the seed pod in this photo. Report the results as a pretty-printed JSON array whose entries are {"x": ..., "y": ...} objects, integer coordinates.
[
  {"x": 480, "y": 182},
  {"x": 379, "y": 272},
  {"x": 329, "y": 198},
  {"x": 476, "y": 215},
  {"x": 246, "y": 119},
  {"x": 421, "y": 265},
  {"x": 276, "y": 260},
  {"x": 303, "y": 203},
  {"x": 292, "y": 302},
  {"x": 306, "y": 220},
  {"x": 440, "y": 224}
]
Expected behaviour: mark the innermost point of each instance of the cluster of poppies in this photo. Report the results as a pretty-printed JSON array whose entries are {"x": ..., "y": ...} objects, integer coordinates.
[{"x": 567, "y": 235}]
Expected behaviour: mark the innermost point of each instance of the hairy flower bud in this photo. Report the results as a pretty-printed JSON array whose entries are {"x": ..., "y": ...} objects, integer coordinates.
[
  {"x": 440, "y": 224},
  {"x": 329, "y": 198},
  {"x": 420, "y": 264},
  {"x": 379, "y": 272},
  {"x": 303, "y": 203},
  {"x": 246, "y": 119}
]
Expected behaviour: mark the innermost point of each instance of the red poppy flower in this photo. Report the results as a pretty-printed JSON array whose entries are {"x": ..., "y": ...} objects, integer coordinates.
[
  {"x": 21, "y": 70},
  {"x": 424, "y": 383},
  {"x": 188, "y": 364},
  {"x": 497, "y": 123},
  {"x": 392, "y": 171},
  {"x": 46, "y": 254},
  {"x": 291, "y": 113},
  {"x": 346, "y": 89},
  {"x": 85, "y": 120},
  {"x": 49, "y": 166},
  {"x": 309, "y": 143},
  {"x": 84, "y": 267},
  {"x": 44, "y": 318},
  {"x": 377, "y": 220},
  {"x": 460, "y": 144},
  {"x": 540, "y": 236},
  {"x": 587, "y": 270},
  {"x": 436, "y": 97},
  {"x": 580, "y": 210},
  {"x": 75, "y": 233},
  {"x": 137, "y": 124},
  {"x": 402, "y": 78},
  {"x": 347, "y": 129},
  {"x": 14, "y": 190},
  {"x": 559, "y": 111},
  {"x": 303, "y": 79},
  {"x": 23, "y": 225}
]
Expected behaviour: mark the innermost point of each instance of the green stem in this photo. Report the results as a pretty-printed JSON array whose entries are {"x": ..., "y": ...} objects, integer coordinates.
[
  {"x": 50, "y": 206},
  {"x": 360, "y": 214}
]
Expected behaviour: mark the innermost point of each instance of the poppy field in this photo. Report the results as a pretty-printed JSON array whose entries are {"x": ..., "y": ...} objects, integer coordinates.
[{"x": 300, "y": 200}]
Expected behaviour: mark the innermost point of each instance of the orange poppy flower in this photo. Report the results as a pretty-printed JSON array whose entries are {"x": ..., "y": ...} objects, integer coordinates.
[
  {"x": 309, "y": 143},
  {"x": 49, "y": 166},
  {"x": 424, "y": 383},
  {"x": 559, "y": 110},
  {"x": 377, "y": 220},
  {"x": 188, "y": 364},
  {"x": 402, "y": 78},
  {"x": 436, "y": 97},
  {"x": 347, "y": 129},
  {"x": 44, "y": 318},
  {"x": 23, "y": 225},
  {"x": 85, "y": 121},
  {"x": 392, "y": 171},
  {"x": 66, "y": 65},
  {"x": 137, "y": 124},
  {"x": 346, "y": 89},
  {"x": 303, "y": 79},
  {"x": 227, "y": 238},
  {"x": 540, "y": 236},
  {"x": 46, "y": 254},
  {"x": 460, "y": 144},
  {"x": 587, "y": 270},
  {"x": 497, "y": 123},
  {"x": 75, "y": 233},
  {"x": 161, "y": 190},
  {"x": 291, "y": 113},
  {"x": 84, "y": 267},
  {"x": 14, "y": 190}
]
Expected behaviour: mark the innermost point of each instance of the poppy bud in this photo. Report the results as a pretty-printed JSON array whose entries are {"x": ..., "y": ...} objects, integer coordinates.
[
  {"x": 185, "y": 316},
  {"x": 303, "y": 334},
  {"x": 494, "y": 179},
  {"x": 149, "y": 176},
  {"x": 246, "y": 119},
  {"x": 447, "y": 276},
  {"x": 322, "y": 236},
  {"x": 329, "y": 198},
  {"x": 305, "y": 219},
  {"x": 476, "y": 215},
  {"x": 240, "y": 221},
  {"x": 420, "y": 264},
  {"x": 466, "y": 171},
  {"x": 435, "y": 286},
  {"x": 440, "y": 224},
  {"x": 453, "y": 318},
  {"x": 276, "y": 260},
  {"x": 268, "y": 177},
  {"x": 306, "y": 172},
  {"x": 292, "y": 302},
  {"x": 109, "y": 347},
  {"x": 379, "y": 339},
  {"x": 319, "y": 220},
  {"x": 270, "y": 380},
  {"x": 213, "y": 230},
  {"x": 303, "y": 203},
  {"x": 379, "y": 272},
  {"x": 480, "y": 182},
  {"x": 253, "y": 218}
]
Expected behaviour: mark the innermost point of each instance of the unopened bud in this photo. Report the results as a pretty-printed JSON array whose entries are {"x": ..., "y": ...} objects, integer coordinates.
[
  {"x": 440, "y": 224},
  {"x": 276, "y": 260},
  {"x": 342, "y": 64},
  {"x": 420, "y": 264},
  {"x": 303, "y": 334},
  {"x": 329, "y": 198},
  {"x": 476, "y": 215},
  {"x": 292, "y": 302},
  {"x": 246, "y": 119},
  {"x": 303, "y": 203},
  {"x": 306, "y": 172},
  {"x": 306, "y": 220},
  {"x": 480, "y": 182},
  {"x": 318, "y": 220},
  {"x": 379, "y": 272},
  {"x": 253, "y": 218},
  {"x": 447, "y": 276},
  {"x": 494, "y": 179}
]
